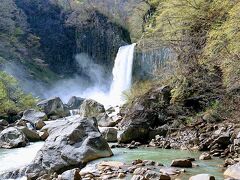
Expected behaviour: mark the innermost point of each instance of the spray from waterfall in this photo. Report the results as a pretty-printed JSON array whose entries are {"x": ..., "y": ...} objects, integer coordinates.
[{"x": 122, "y": 74}]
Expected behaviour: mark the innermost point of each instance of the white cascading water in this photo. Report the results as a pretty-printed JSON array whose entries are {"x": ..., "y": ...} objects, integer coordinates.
[{"x": 122, "y": 74}]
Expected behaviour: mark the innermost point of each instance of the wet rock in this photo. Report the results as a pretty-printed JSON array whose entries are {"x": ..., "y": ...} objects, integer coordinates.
[
  {"x": 233, "y": 171},
  {"x": 36, "y": 118},
  {"x": 181, "y": 163},
  {"x": 205, "y": 156},
  {"x": 53, "y": 107},
  {"x": 12, "y": 138},
  {"x": 75, "y": 102},
  {"x": 109, "y": 133},
  {"x": 202, "y": 177},
  {"x": 72, "y": 174},
  {"x": 91, "y": 108},
  {"x": 72, "y": 142},
  {"x": 3, "y": 122},
  {"x": 31, "y": 135}
]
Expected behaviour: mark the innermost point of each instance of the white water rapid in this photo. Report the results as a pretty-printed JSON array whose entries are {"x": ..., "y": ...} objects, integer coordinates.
[{"x": 122, "y": 74}]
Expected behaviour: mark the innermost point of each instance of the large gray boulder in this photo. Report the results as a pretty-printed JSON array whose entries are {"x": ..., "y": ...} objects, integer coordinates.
[
  {"x": 36, "y": 118},
  {"x": 75, "y": 102},
  {"x": 72, "y": 142},
  {"x": 145, "y": 113},
  {"x": 12, "y": 138},
  {"x": 53, "y": 107},
  {"x": 91, "y": 108}
]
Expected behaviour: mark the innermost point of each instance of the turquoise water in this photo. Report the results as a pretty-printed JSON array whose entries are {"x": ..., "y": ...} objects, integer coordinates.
[
  {"x": 165, "y": 156},
  {"x": 15, "y": 158}
]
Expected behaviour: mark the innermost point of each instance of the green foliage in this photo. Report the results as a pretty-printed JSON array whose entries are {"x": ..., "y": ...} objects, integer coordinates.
[
  {"x": 223, "y": 48},
  {"x": 12, "y": 98}
]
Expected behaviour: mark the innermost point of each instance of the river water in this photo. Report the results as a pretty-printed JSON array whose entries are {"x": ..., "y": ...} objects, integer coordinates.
[{"x": 11, "y": 159}]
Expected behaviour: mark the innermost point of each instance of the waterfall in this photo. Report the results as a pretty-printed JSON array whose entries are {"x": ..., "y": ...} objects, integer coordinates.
[{"x": 122, "y": 74}]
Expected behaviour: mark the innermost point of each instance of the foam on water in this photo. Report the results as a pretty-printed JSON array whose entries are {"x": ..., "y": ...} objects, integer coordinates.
[{"x": 11, "y": 159}]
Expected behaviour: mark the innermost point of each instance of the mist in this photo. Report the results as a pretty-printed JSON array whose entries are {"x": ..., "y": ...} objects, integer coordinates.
[{"x": 92, "y": 82}]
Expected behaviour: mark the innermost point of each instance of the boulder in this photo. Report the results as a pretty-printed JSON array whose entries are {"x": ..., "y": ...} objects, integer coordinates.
[
  {"x": 53, "y": 107},
  {"x": 12, "y": 138},
  {"x": 72, "y": 142},
  {"x": 75, "y": 102},
  {"x": 202, "y": 177},
  {"x": 161, "y": 131},
  {"x": 36, "y": 118},
  {"x": 205, "y": 156},
  {"x": 144, "y": 114},
  {"x": 3, "y": 122},
  {"x": 109, "y": 133},
  {"x": 31, "y": 135},
  {"x": 181, "y": 163},
  {"x": 233, "y": 171},
  {"x": 72, "y": 174},
  {"x": 91, "y": 108},
  {"x": 105, "y": 121}
]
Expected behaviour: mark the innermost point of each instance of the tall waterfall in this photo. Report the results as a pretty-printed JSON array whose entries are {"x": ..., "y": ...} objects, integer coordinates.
[{"x": 122, "y": 73}]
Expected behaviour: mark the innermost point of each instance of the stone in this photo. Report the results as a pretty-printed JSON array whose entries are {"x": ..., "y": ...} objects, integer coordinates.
[
  {"x": 121, "y": 175},
  {"x": 12, "y": 138},
  {"x": 202, "y": 177},
  {"x": 205, "y": 156},
  {"x": 181, "y": 163},
  {"x": 112, "y": 164},
  {"x": 72, "y": 142},
  {"x": 138, "y": 177},
  {"x": 109, "y": 133},
  {"x": 149, "y": 174},
  {"x": 3, "y": 122},
  {"x": 36, "y": 118},
  {"x": 233, "y": 171},
  {"x": 170, "y": 171},
  {"x": 164, "y": 177},
  {"x": 75, "y": 102},
  {"x": 21, "y": 123},
  {"x": 72, "y": 174},
  {"x": 31, "y": 135},
  {"x": 91, "y": 108},
  {"x": 43, "y": 135},
  {"x": 53, "y": 107},
  {"x": 105, "y": 121}
]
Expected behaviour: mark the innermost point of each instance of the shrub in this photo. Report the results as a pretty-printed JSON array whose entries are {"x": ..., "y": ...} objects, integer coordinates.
[{"x": 12, "y": 98}]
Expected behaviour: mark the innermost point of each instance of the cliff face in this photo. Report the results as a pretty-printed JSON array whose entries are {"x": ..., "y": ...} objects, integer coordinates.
[{"x": 43, "y": 37}]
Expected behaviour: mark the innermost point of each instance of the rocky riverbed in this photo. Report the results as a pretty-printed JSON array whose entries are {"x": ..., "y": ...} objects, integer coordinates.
[{"x": 72, "y": 143}]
